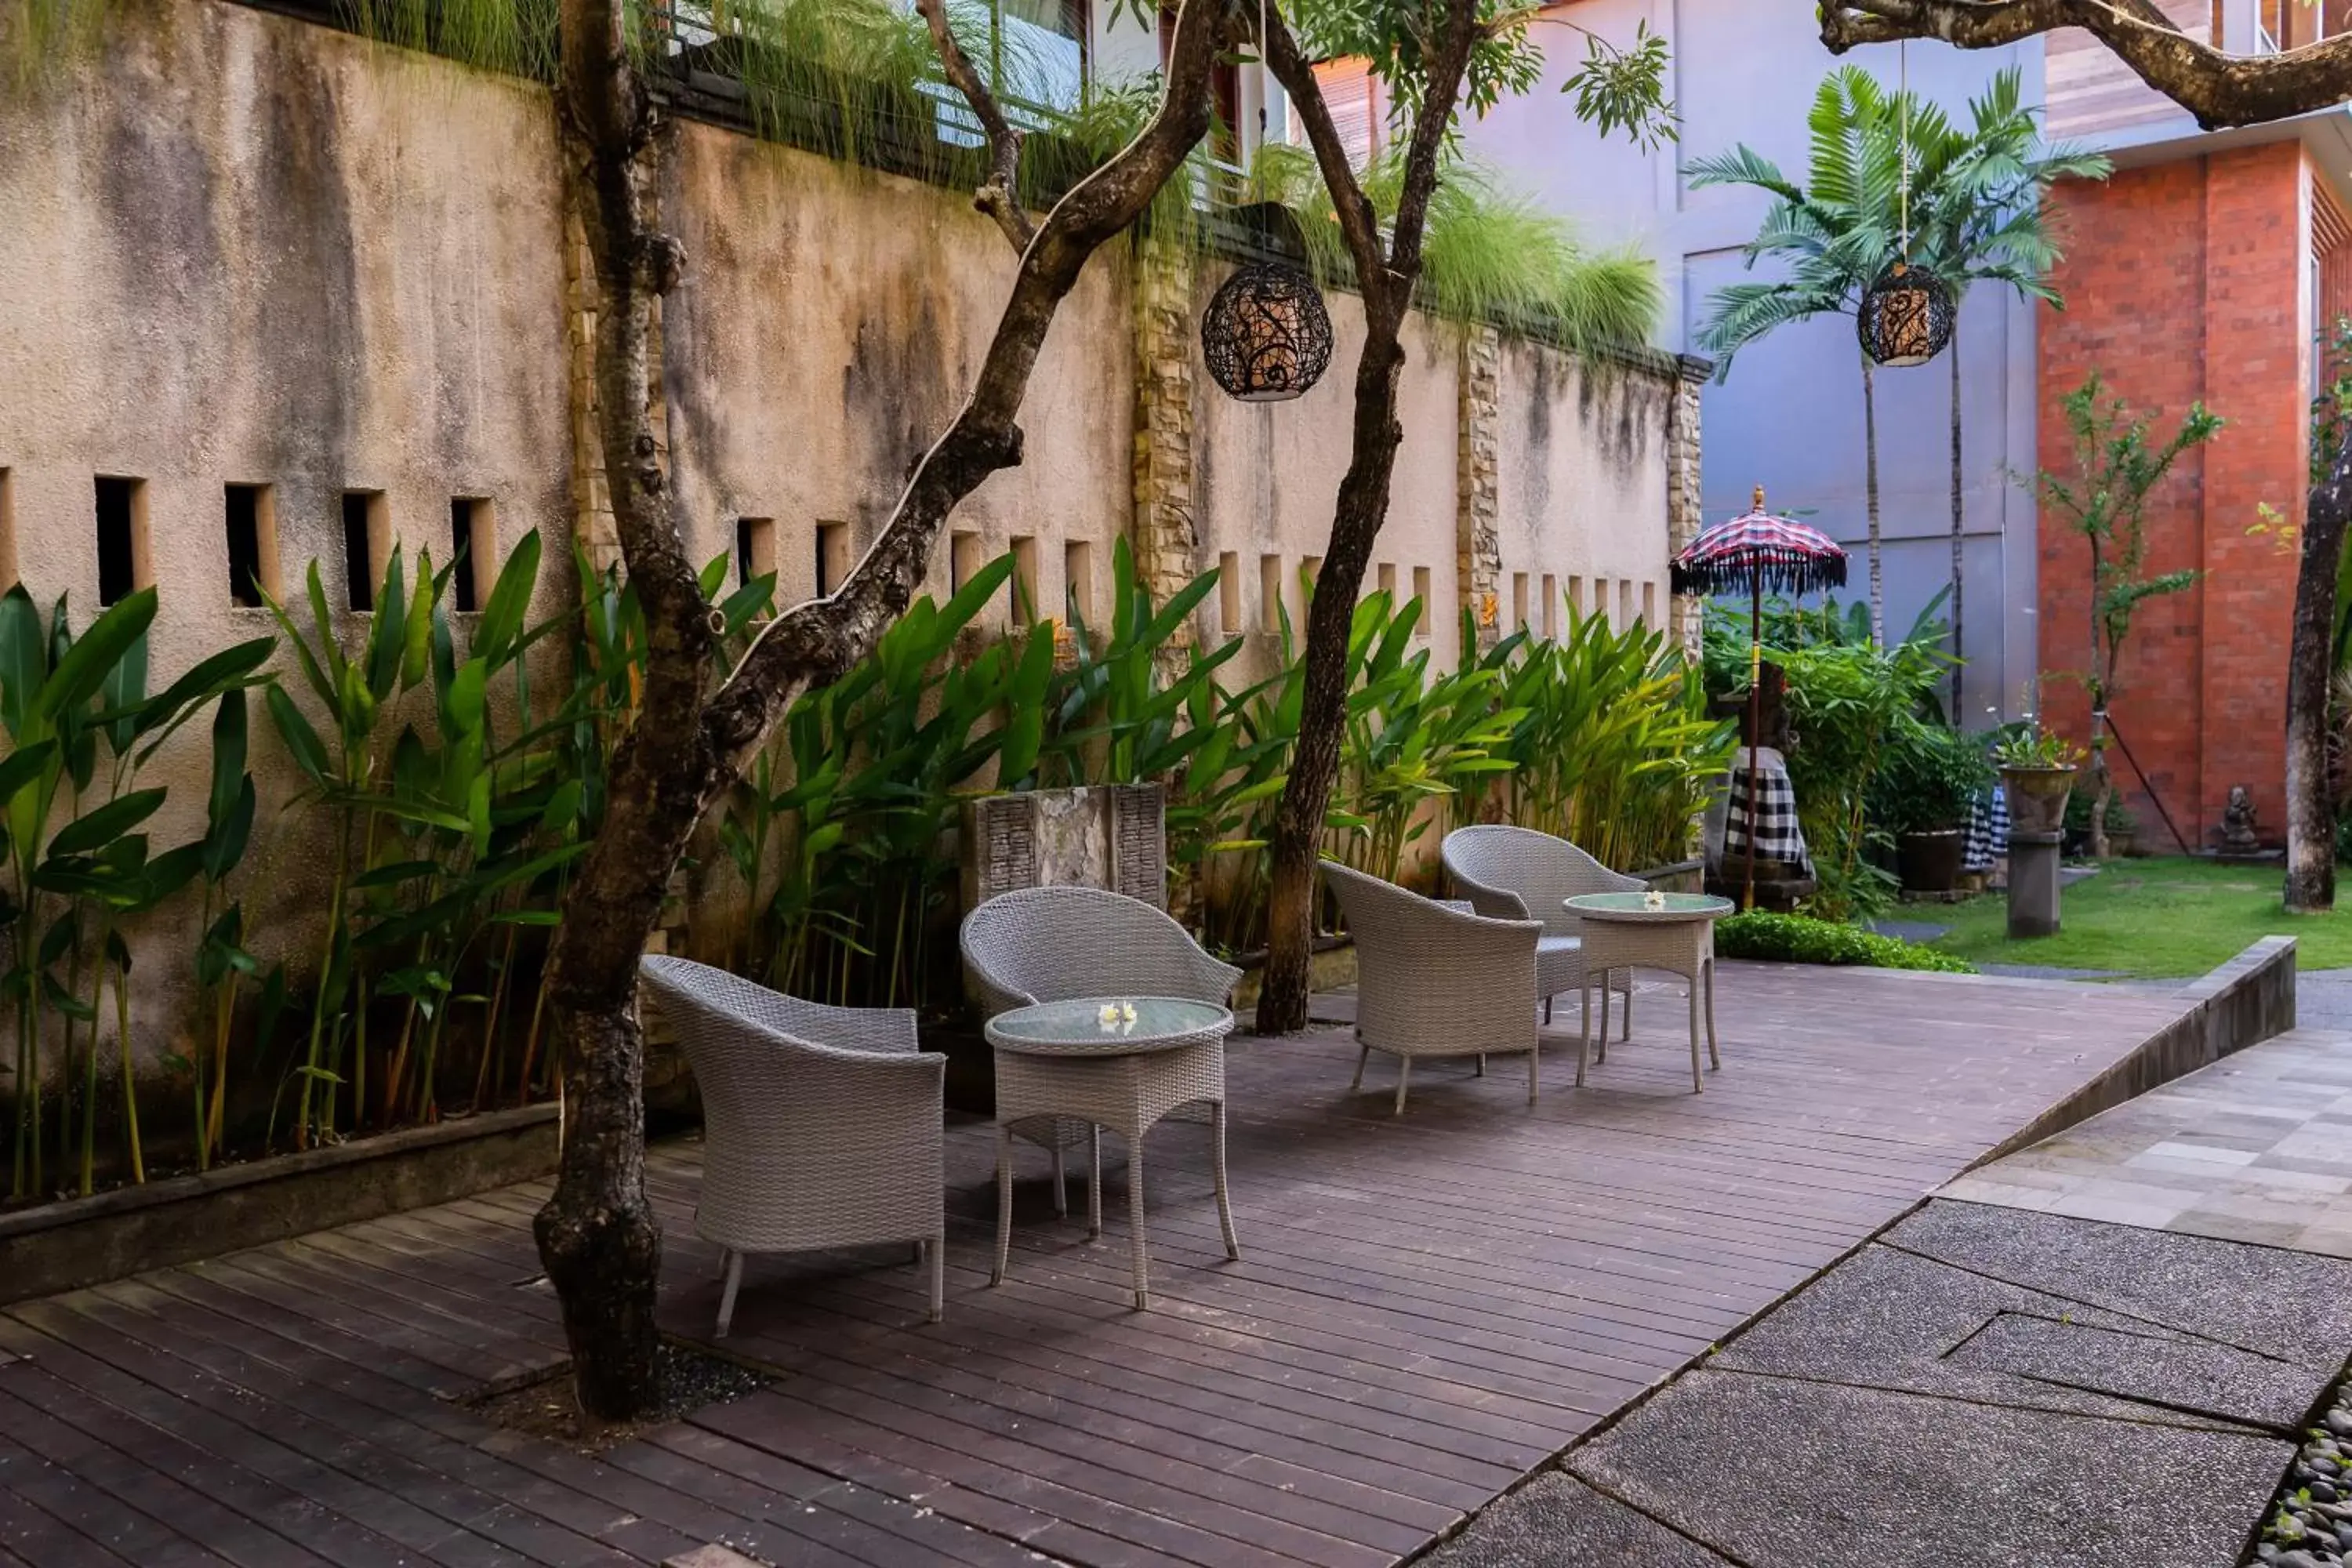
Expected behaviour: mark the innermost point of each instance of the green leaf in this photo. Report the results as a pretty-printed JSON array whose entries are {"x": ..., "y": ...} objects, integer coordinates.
[
  {"x": 82, "y": 671},
  {"x": 94, "y": 829},
  {"x": 308, "y": 751},
  {"x": 502, "y": 616}
]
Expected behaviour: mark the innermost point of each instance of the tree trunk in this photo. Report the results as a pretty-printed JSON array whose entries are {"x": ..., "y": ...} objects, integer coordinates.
[
  {"x": 1959, "y": 532},
  {"x": 597, "y": 1235},
  {"x": 1870, "y": 501},
  {"x": 1355, "y": 521},
  {"x": 2310, "y": 808},
  {"x": 1385, "y": 277}
]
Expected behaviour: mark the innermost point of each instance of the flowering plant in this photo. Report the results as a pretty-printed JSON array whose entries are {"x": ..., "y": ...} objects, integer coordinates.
[
  {"x": 2034, "y": 747},
  {"x": 1116, "y": 1017}
]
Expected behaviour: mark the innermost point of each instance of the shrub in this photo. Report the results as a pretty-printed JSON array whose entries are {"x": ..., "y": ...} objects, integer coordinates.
[
  {"x": 1928, "y": 778},
  {"x": 1798, "y": 939}
]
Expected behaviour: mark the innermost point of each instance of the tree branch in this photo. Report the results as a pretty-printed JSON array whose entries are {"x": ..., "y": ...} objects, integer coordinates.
[
  {"x": 2217, "y": 89},
  {"x": 1359, "y": 222},
  {"x": 1000, "y": 194},
  {"x": 815, "y": 641}
]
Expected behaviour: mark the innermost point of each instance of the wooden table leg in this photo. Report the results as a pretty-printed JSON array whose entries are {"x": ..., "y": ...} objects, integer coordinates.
[
  {"x": 1693, "y": 979},
  {"x": 1224, "y": 1203},
  {"x": 1135, "y": 1220},
  {"x": 1004, "y": 1201},
  {"x": 1584, "y": 1039}
]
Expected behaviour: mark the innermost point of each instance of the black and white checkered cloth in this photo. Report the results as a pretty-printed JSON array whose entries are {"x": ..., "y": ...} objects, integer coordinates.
[
  {"x": 1778, "y": 837},
  {"x": 1988, "y": 838}
]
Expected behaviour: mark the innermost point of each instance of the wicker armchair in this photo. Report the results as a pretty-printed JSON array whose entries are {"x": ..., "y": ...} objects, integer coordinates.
[
  {"x": 820, "y": 1125},
  {"x": 1518, "y": 873},
  {"x": 1433, "y": 979},
  {"x": 1062, "y": 943}
]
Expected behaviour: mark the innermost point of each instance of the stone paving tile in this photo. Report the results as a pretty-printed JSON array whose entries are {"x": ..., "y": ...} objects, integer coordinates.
[
  {"x": 2290, "y": 1305},
  {"x": 2184, "y": 1375},
  {"x": 1783, "y": 1474},
  {"x": 1557, "y": 1522},
  {"x": 2256, "y": 1147},
  {"x": 1890, "y": 1320}
]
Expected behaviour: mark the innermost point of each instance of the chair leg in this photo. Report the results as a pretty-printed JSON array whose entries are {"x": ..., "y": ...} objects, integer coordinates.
[
  {"x": 1535, "y": 1060},
  {"x": 725, "y": 1253},
  {"x": 938, "y": 1249},
  {"x": 1061, "y": 1180},
  {"x": 1094, "y": 1181},
  {"x": 1482, "y": 1064},
  {"x": 1004, "y": 1204},
  {"x": 1627, "y": 1032},
  {"x": 1547, "y": 1012},
  {"x": 1604, "y": 1016},
  {"x": 1224, "y": 1203},
  {"x": 1405, "y": 1071},
  {"x": 1584, "y": 1039},
  {"x": 1714, "y": 1056},
  {"x": 1695, "y": 1086},
  {"x": 1357, "y": 1082},
  {"x": 727, "y": 1293},
  {"x": 1135, "y": 1221}
]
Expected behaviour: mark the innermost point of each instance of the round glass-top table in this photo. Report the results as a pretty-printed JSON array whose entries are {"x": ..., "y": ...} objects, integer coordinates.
[
  {"x": 1673, "y": 931},
  {"x": 1637, "y": 906},
  {"x": 1116, "y": 1062},
  {"x": 1107, "y": 1026}
]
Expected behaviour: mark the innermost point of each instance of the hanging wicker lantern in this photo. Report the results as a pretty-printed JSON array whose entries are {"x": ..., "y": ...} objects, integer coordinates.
[
  {"x": 1906, "y": 317},
  {"x": 1265, "y": 334}
]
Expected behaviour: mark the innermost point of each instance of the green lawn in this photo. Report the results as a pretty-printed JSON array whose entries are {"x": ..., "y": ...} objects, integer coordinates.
[{"x": 2154, "y": 918}]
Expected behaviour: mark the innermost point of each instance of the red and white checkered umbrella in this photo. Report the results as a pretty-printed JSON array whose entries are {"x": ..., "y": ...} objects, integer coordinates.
[{"x": 1760, "y": 551}]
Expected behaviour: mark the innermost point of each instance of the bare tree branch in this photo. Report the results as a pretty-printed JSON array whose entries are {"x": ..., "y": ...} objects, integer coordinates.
[
  {"x": 815, "y": 641},
  {"x": 1360, "y": 224},
  {"x": 1000, "y": 194},
  {"x": 2217, "y": 89}
]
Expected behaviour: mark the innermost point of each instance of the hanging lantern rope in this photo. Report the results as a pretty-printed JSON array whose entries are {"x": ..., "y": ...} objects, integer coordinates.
[{"x": 1906, "y": 315}]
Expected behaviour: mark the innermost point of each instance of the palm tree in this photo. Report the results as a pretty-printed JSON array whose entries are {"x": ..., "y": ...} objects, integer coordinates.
[
  {"x": 1983, "y": 220},
  {"x": 1836, "y": 233}
]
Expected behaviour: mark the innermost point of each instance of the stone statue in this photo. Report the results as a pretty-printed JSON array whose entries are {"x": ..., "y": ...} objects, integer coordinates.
[{"x": 2238, "y": 823}]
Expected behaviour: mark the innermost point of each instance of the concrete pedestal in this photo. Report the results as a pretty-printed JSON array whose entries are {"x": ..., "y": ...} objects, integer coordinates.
[{"x": 2034, "y": 884}]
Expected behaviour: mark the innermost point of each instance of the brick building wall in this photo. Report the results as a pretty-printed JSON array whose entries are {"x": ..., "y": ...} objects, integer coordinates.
[{"x": 2187, "y": 280}]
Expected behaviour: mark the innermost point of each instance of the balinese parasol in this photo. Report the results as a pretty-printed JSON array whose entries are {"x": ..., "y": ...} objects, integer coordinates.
[{"x": 1757, "y": 551}]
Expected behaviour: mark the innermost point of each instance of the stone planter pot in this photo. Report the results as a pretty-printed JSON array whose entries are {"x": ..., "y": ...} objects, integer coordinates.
[
  {"x": 2037, "y": 798},
  {"x": 1930, "y": 862}
]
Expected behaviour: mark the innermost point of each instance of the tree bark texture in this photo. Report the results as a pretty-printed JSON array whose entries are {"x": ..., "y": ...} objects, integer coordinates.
[
  {"x": 597, "y": 1235},
  {"x": 1870, "y": 502},
  {"x": 1385, "y": 275},
  {"x": 2310, "y": 803},
  {"x": 2216, "y": 88},
  {"x": 1959, "y": 529}
]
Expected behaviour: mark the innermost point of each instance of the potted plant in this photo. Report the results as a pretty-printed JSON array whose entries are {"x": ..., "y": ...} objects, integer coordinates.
[
  {"x": 2122, "y": 826},
  {"x": 2037, "y": 771},
  {"x": 1929, "y": 778}
]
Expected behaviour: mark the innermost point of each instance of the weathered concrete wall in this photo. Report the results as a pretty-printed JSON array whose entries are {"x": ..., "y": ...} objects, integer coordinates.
[
  {"x": 831, "y": 321},
  {"x": 240, "y": 248},
  {"x": 1583, "y": 487},
  {"x": 255, "y": 251}
]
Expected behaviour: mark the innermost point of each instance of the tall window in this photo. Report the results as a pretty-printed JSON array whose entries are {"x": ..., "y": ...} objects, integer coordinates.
[{"x": 1359, "y": 106}]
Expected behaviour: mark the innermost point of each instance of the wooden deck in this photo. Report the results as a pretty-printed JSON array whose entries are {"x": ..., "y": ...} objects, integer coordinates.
[{"x": 1425, "y": 1310}]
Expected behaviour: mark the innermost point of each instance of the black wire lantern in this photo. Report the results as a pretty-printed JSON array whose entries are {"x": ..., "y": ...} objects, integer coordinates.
[
  {"x": 1906, "y": 317},
  {"x": 1265, "y": 334}
]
